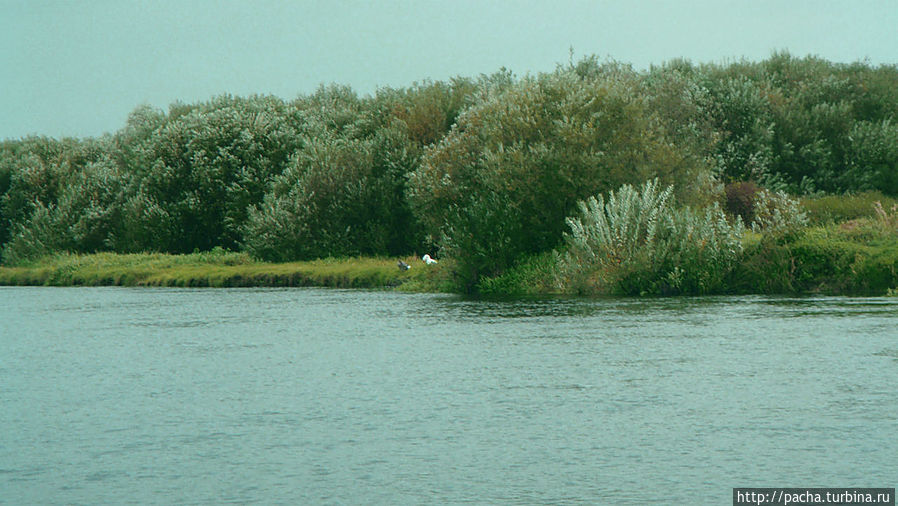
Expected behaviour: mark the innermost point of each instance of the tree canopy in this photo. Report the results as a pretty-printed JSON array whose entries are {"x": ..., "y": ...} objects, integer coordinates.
[{"x": 482, "y": 169}]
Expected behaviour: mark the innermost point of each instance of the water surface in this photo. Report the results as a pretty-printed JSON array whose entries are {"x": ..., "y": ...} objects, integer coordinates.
[{"x": 188, "y": 396}]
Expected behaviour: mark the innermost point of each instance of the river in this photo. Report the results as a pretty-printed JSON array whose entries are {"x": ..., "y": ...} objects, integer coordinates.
[{"x": 323, "y": 396}]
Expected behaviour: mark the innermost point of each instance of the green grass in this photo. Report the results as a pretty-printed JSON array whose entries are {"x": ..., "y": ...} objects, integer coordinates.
[
  {"x": 221, "y": 269},
  {"x": 534, "y": 275},
  {"x": 832, "y": 209}
]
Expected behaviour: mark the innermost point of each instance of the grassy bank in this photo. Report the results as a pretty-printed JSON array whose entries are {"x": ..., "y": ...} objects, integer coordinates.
[
  {"x": 833, "y": 260},
  {"x": 221, "y": 269},
  {"x": 848, "y": 247},
  {"x": 824, "y": 260},
  {"x": 854, "y": 257}
]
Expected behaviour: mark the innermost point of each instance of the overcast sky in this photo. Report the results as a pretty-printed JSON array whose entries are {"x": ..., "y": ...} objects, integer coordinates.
[{"x": 77, "y": 68}]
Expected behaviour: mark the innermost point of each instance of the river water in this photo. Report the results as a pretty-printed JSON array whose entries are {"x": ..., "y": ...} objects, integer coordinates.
[{"x": 322, "y": 396}]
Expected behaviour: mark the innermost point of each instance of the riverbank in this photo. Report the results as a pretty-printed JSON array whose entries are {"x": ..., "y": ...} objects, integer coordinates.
[
  {"x": 221, "y": 269},
  {"x": 858, "y": 257}
]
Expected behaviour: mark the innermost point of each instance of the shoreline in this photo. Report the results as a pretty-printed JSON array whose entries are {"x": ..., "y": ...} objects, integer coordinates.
[
  {"x": 863, "y": 273},
  {"x": 218, "y": 269}
]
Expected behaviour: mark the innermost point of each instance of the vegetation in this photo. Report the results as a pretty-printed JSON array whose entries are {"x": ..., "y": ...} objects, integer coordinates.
[
  {"x": 636, "y": 243},
  {"x": 857, "y": 258},
  {"x": 831, "y": 209},
  {"x": 592, "y": 178},
  {"x": 219, "y": 268}
]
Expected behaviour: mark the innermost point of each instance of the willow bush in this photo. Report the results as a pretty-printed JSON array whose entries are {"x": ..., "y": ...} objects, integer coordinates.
[
  {"x": 636, "y": 242},
  {"x": 337, "y": 197},
  {"x": 42, "y": 176},
  {"x": 617, "y": 231},
  {"x": 483, "y": 169},
  {"x": 777, "y": 213},
  {"x": 204, "y": 165},
  {"x": 499, "y": 186}
]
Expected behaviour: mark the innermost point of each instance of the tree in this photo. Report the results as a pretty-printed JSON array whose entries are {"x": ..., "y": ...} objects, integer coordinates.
[{"x": 501, "y": 183}]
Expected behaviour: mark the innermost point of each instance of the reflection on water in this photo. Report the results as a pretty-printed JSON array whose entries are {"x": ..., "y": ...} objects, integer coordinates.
[{"x": 159, "y": 396}]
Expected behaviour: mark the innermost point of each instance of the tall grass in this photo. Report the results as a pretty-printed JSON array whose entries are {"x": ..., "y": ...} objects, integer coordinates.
[
  {"x": 219, "y": 268},
  {"x": 830, "y": 209}
]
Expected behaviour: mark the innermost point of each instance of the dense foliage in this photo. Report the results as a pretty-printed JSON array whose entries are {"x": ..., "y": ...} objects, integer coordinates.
[
  {"x": 635, "y": 242},
  {"x": 483, "y": 171},
  {"x": 501, "y": 183}
]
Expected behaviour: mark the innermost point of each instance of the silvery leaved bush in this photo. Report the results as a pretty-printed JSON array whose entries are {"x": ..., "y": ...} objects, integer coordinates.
[
  {"x": 776, "y": 212},
  {"x": 613, "y": 232},
  {"x": 636, "y": 242}
]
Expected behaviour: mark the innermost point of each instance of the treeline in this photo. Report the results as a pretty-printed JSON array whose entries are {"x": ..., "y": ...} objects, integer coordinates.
[{"x": 483, "y": 170}]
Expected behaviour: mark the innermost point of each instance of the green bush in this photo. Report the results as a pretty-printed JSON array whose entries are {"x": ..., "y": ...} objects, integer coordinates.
[
  {"x": 823, "y": 262},
  {"x": 205, "y": 165},
  {"x": 765, "y": 266},
  {"x": 428, "y": 110},
  {"x": 833, "y": 259},
  {"x": 534, "y": 275},
  {"x": 877, "y": 273},
  {"x": 636, "y": 243},
  {"x": 40, "y": 235},
  {"x": 804, "y": 124},
  {"x": 338, "y": 196},
  {"x": 872, "y": 156},
  {"x": 499, "y": 186},
  {"x": 777, "y": 213},
  {"x": 612, "y": 235},
  {"x": 35, "y": 172},
  {"x": 696, "y": 252},
  {"x": 742, "y": 114}
]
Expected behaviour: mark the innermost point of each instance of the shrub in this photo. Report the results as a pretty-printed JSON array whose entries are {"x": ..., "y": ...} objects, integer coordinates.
[
  {"x": 777, "y": 213},
  {"x": 40, "y": 235},
  {"x": 830, "y": 259},
  {"x": 742, "y": 112},
  {"x": 740, "y": 199},
  {"x": 338, "y": 197},
  {"x": 696, "y": 251},
  {"x": 766, "y": 266},
  {"x": 499, "y": 186},
  {"x": 533, "y": 275},
  {"x": 636, "y": 243},
  {"x": 204, "y": 165},
  {"x": 37, "y": 171},
  {"x": 615, "y": 233},
  {"x": 872, "y": 157}
]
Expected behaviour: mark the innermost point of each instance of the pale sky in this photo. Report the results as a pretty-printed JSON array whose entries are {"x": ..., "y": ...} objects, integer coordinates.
[{"x": 77, "y": 68}]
